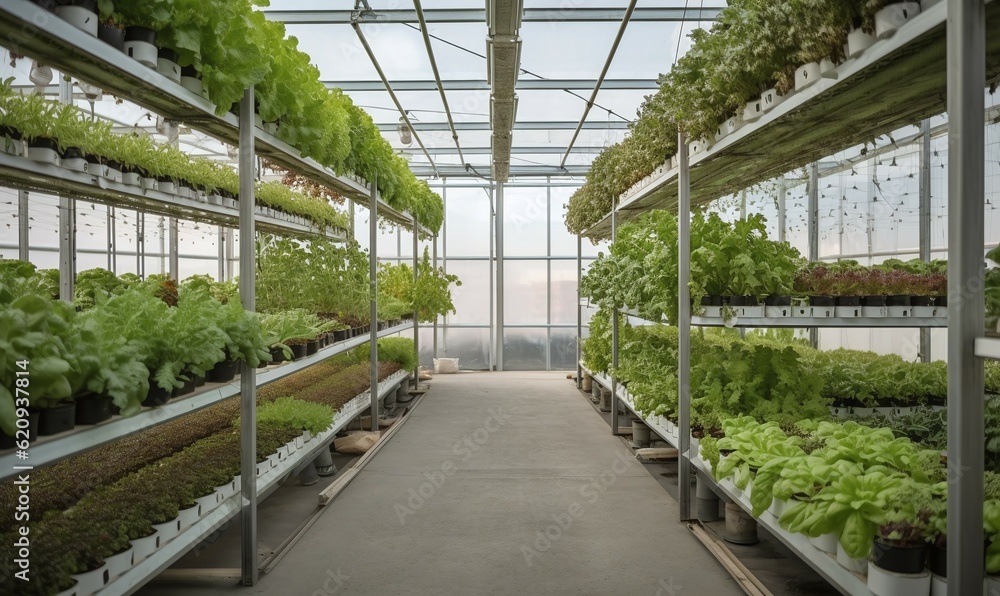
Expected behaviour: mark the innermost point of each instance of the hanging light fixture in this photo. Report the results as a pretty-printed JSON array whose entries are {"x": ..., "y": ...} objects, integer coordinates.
[
  {"x": 405, "y": 136},
  {"x": 40, "y": 75}
]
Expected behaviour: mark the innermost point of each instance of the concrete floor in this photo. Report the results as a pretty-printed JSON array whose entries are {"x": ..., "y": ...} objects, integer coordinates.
[{"x": 498, "y": 483}]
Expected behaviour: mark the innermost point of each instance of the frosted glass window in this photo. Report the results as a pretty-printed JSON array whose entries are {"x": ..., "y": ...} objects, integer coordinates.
[
  {"x": 472, "y": 298},
  {"x": 525, "y": 292},
  {"x": 564, "y": 292},
  {"x": 525, "y": 220},
  {"x": 563, "y": 242},
  {"x": 470, "y": 346},
  {"x": 562, "y": 349},
  {"x": 524, "y": 349},
  {"x": 467, "y": 211}
]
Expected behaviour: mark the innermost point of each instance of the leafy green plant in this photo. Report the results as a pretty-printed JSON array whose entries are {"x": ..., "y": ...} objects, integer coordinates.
[{"x": 288, "y": 412}]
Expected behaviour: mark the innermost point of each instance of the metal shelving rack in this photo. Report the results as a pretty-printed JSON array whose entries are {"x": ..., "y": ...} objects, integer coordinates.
[
  {"x": 35, "y": 32},
  {"x": 934, "y": 63}
]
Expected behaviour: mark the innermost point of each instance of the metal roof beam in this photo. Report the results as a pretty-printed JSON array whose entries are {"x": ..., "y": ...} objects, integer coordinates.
[
  {"x": 478, "y": 15},
  {"x": 456, "y": 171},
  {"x": 481, "y": 85},
  {"x": 549, "y": 150},
  {"x": 543, "y": 125}
]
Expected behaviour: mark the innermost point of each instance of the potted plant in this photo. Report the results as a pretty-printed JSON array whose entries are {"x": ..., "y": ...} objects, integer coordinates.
[
  {"x": 899, "y": 552},
  {"x": 82, "y": 14}
]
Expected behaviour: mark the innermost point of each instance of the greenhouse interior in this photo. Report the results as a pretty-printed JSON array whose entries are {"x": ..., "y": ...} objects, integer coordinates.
[{"x": 500, "y": 297}]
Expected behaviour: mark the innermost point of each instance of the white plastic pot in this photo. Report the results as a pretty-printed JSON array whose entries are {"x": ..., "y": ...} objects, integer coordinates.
[
  {"x": 851, "y": 564},
  {"x": 215, "y": 199},
  {"x": 899, "y": 311},
  {"x": 873, "y": 311},
  {"x": 145, "y": 546},
  {"x": 120, "y": 563},
  {"x": 894, "y": 16},
  {"x": 939, "y": 585},
  {"x": 826, "y": 543},
  {"x": 187, "y": 517},
  {"x": 263, "y": 467},
  {"x": 848, "y": 311},
  {"x": 770, "y": 99},
  {"x": 806, "y": 75},
  {"x": 732, "y": 124},
  {"x": 925, "y": 4},
  {"x": 777, "y": 507},
  {"x": 167, "y": 187},
  {"x": 226, "y": 490},
  {"x": 79, "y": 17},
  {"x": 192, "y": 84},
  {"x": 168, "y": 530},
  {"x": 91, "y": 581},
  {"x": 208, "y": 503},
  {"x": 131, "y": 178},
  {"x": 231, "y": 203},
  {"x": 827, "y": 69},
  {"x": 888, "y": 583},
  {"x": 169, "y": 69},
  {"x": 274, "y": 460},
  {"x": 271, "y": 128},
  {"x": 840, "y": 412},
  {"x": 148, "y": 183},
  {"x": 143, "y": 52},
  {"x": 858, "y": 41},
  {"x": 753, "y": 110},
  {"x": 113, "y": 174},
  {"x": 77, "y": 164},
  {"x": 43, "y": 155}
]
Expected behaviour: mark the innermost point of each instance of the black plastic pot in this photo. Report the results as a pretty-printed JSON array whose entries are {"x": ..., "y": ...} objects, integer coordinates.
[
  {"x": 224, "y": 371},
  {"x": 340, "y": 334},
  {"x": 938, "y": 560},
  {"x": 778, "y": 301},
  {"x": 13, "y": 133},
  {"x": 186, "y": 388},
  {"x": 90, "y": 5},
  {"x": 72, "y": 153},
  {"x": 312, "y": 346},
  {"x": 112, "y": 36},
  {"x": 191, "y": 72},
  {"x": 941, "y": 301},
  {"x": 164, "y": 179},
  {"x": 157, "y": 396},
  {"x": 899, "y": 559},
  {"x": 57, "y": 419},
  {"x": 199, "y": 380},
  {"x": 298, "y": 351},
  {"x": 91, "y": 409},
  {"x": 43, "y": 143},
  {"x": 922, "y": 300},
  {"x": 822, "y": 301},
  {"x": 167, "y": 54},
  {"x": 733, "y": 300},
  {"x": 869, "y": 301},
  {"x": 936, "y": 400},
  {"x": 7, "y": 442},
  {"x": 848, "y": 300},
  {"x": 898, "y": 300},
  {"x": 114, "y": 165},
  {"x": 140, "y": 34},
  {"x": 49, "y": 5},
  {"x": 96, "y": 160},
  {"x": 277, "y": 355}
]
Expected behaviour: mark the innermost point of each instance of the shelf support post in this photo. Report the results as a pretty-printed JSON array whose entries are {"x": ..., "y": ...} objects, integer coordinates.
[
  {"x": 67, "y": 220},
  {"x": 173, "y": 249},
  {"x": 966, "y": 56},
  {"x": 373, "y": 304},
  {"x": 499, "y": 238},
  {"x": 813, "y": 226},
  {"x": 579, "y": 312},
  {"x": 782, "y": 193},
  {"x": 248, "y": 374},
  {"x": 22, "y": 226},
  {"x": 614, "y": 334},
  {"x": 684, "y": 326},
  {"x": 925, "y": 221},
  {"x": 416, "y": 313}
]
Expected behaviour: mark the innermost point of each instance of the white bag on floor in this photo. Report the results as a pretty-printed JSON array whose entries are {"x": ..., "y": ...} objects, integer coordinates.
[{"x": 444, "y": 366}]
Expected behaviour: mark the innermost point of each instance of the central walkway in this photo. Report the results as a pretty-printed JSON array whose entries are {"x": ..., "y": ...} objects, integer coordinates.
[{"x": 500, "y": 483}]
